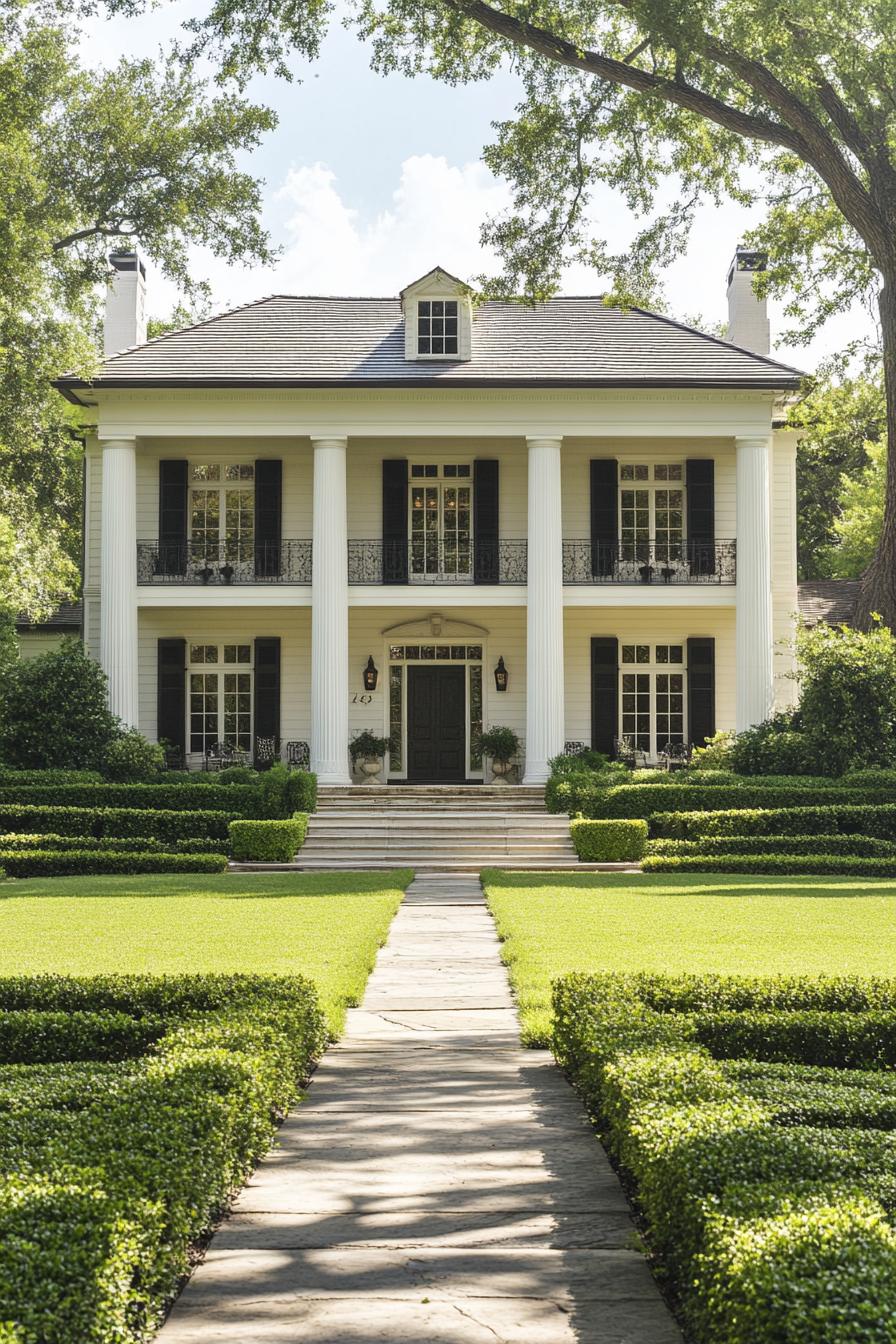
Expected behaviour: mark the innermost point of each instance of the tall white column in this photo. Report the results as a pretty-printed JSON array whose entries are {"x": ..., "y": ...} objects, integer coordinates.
[
  {"x": 754, "y": 646},
  {"x": 329, "y": 615},
  {"x": 544, "y": 611},
  {"x": 118, "y": 577}
]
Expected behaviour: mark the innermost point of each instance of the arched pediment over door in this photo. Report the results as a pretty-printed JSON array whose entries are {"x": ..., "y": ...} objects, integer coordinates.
[{"x": 435, "y": 626}]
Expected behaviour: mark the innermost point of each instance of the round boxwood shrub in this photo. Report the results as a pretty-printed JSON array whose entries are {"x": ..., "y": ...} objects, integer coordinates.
[
  {"x": 131, "y": 758},
  {"x": 53, "y": 711},
  {"x": 616, "y": 841}
]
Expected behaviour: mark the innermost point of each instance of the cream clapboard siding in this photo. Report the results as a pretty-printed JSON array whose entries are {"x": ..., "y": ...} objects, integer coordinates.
[
  {"x": 32, "y": 645},
  {"x": 650, "y": 625},
  {"x": 784, "y": 572},
  {"x": 234, "y": 625},
  {"x": 297, "y": 475},
  {"x": 364, "y": 468},
  {"x": 576, "y": 483}
]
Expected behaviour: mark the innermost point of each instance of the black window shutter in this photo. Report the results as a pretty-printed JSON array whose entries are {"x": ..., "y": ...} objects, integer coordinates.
[
  {"x": 395, "y": 520},
  {"x": 171, "y": 693},
  {"x": 701, "y": 507},
  {"x": 486, "y": 568},
  {"x": 172, "y": 516},
  {"x": 604, "y": 694},
  {"x": 268, "y": 515},
  {"x": 701, "y": 690},
  {"x": 267, "y": 688},
  {"x": 604, "y": 516}
]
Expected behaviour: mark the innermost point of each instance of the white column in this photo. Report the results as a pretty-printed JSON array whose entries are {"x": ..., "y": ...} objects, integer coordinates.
[
  {"x": 754, "y": 648},
  {"x": 118, "y": 577},
  {"x": 329, "y": 615},
  {"x": 544, "y": 611}
]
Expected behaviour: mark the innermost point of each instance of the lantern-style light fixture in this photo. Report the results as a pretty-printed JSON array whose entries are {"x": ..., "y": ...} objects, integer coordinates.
[
  {"x": 501, "y": 675},
  {"x": 370, "y": 674}
]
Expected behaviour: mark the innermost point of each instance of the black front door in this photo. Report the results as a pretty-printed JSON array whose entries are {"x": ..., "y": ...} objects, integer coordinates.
[{"x": 437, "y": 739}]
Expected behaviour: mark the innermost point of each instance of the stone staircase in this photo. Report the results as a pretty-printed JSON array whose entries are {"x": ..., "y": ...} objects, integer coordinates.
[{"x": 440, "y": 828}]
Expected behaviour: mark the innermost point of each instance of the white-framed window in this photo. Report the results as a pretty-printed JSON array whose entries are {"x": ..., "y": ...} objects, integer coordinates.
[
  {"x": 219, "y": 697},
  {"x": 222, "y": 511},
  {"x": 437, "y": 327},
  {"x": 440, "y": 522},
  {"x": 652, "y": 701},
  {"x": 651, "y": 509}
]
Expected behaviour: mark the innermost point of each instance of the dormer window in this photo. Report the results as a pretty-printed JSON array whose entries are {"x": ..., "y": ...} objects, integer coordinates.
[{"x": 437, "y": 323}]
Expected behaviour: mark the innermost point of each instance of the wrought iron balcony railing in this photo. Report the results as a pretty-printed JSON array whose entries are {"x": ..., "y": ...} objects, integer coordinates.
[
  {"x": 225, "y": 562},
  {"x": 434, "y": 560},
  {"x": 656, "y": 562}
]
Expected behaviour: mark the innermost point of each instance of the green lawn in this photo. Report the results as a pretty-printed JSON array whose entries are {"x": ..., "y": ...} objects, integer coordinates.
[
  {"x": 552, "y": 924},
  {"x": 327, "y": 926}
]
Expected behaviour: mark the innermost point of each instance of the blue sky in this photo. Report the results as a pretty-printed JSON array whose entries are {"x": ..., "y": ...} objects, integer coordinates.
[{"x": 369, "y": 182}]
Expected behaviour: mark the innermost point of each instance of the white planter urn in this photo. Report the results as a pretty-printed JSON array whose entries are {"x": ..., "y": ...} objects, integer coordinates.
[
  {"x": 500, "y": 771},
  {"x": 371, "y": 767}
]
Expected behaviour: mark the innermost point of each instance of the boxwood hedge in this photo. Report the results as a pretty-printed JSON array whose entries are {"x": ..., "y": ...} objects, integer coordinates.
[
  {"x": 102, "y": 1199},
  {"x": 621, "y": 841},
  {"x": 762, "y": 1199},
  {"x": 878, "y": 821},
  {"x": 239, "y": 799},
  {"x": 70, "y": 862},
  {"x": 111, "y": 843},
  {"x": 819, "y": 865},
  {"x": 116, "y": 821},
  {"x": 268, "y": 841},
  {"x": 643, "y": 800},
  {"x": 864, "y": 846}
]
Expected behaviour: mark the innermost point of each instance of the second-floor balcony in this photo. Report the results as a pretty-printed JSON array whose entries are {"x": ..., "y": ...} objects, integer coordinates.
[{"x": 437, "y": 561}]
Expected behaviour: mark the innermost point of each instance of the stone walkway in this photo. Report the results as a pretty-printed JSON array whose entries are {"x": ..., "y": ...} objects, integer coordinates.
[{"x": 439, "y": 1186}]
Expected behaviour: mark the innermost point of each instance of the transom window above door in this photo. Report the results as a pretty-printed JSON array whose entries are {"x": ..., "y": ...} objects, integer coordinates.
[
  {"x": 440, "y": 526},
  {"x": 651, "y": 512},
  {"x": 437, "y": 326},
  {"x": 222, "y": 510}
]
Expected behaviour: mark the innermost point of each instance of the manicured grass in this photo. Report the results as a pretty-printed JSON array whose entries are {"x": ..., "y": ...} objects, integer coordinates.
[
  {"x": 689, "y": 922},
  {"x": 327, "y": 926}
]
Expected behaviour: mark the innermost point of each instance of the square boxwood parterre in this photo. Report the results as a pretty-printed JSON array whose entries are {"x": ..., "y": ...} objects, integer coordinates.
[
  {"x": 622, "y": 841},
  {"x": 111, "y": 1170},
  {"x": 268, "y": 841},
  {"x": 769, "y": 1188}
]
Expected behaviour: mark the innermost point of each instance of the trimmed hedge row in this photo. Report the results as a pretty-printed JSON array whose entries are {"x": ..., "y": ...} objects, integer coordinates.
[
  {"x": 116, "y": 821},
  {"x": 609, "y": 841},
  {"x": 35, "y": 1036},
  {"x": 863, "y": 846},
  {"x": 28, "y": 777},
  {"x": 71, "y": 862},
  {"x": 832, "y": 1098},
  {"x": 100, "y": 1203},
  {"x": 845, "y": 819},
  {"x": 771, "y": 1231},
  {"x": 268, "y": 841},
  {"x": 819, "y": 865},
  {"x": 31, "y": 843},
  {"x": 238, "y": 799},
  {"x": 848, "y": 1040},
  {"x": 643, "y": 800}
]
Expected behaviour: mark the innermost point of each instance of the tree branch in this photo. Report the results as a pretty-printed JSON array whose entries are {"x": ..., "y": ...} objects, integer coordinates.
[{"x": 95, "y": 230}]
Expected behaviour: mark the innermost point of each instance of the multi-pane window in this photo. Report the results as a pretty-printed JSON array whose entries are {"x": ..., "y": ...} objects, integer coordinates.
[
  {"x": 651, "y": 508},
  {"x": 652, "y": 696},
  {"x": 437, "y": 326},
  {"x": 441, "y": 522},
  {"x": 220, "y": 696},
  {"x": 222, "y": 511}
]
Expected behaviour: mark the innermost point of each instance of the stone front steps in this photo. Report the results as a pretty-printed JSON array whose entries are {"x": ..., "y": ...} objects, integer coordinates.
[{"x": 445, "y": 828}]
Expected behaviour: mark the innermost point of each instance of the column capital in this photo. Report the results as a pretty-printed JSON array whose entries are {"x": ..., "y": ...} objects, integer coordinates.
[
  {"x": 753, "y": 440},
  {"x": 544, "y": 440},
  {"x": 329, "y": 440},
  {"x": 118, "y": 441}
]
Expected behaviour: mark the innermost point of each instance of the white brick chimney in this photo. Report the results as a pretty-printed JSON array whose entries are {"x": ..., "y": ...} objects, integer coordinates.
[
  {"x": 125, "y": 320},
  {"x": 747, "y": 312}
]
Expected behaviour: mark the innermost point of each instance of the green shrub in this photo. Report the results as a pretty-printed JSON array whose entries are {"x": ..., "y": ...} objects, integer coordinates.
[
  {"x": 236, "y": 774},
  {"x": 131, "y": 758},
  {"x": 779, "y": 747},
  {"x": 878, "y": 821},
  {"x": 70, "y": 862},
  {"x": 642, "y": 800},
  {"x": 245, "y": 800},
  {"x": 112, "y": 844},
  {"x": 54, "y": 711},
  {"x": 849, "y": 1040},
  {"x": 267, "y": 841},
  {"x": 578, "y": 792},
  {"x": 32, "y": 1036},
  {"x": 285, "y": 792},
  {"x": 102, "y": 1200},
  {"x": 820, "y": 865},
  {"x": 609, "y": 841},
  {"x": 800, "y": 1094},
  {"x": 162, "y": 825},
  {"x": 22, "y": 777},
  {"x": 864, "y": 846},
  {"x": 715, "y": 754}
]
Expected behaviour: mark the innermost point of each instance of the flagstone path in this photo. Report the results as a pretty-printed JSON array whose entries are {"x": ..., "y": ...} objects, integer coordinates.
[{"x": 440, "y": 1185}]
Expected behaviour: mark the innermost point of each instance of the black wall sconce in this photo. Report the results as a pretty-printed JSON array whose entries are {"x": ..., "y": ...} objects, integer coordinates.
[
  {"x": 370, "y": 674},
  {"x": 501, "y": 675}
]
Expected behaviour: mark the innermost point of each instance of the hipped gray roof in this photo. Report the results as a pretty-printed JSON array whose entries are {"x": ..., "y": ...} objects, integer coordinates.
[{"x": 288, "y": 341}]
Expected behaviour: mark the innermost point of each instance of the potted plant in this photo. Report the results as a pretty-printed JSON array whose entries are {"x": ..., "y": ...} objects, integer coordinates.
[
  {"x": 500, "y": 745},
  {"x": 367, "y": 750}
]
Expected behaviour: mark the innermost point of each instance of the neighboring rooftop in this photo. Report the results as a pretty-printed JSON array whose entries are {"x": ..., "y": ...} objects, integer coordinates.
[
  {"x": 829, "y": 600},
  {"x": 289, "y": 341},
  {"x": 66, "y": 618}
]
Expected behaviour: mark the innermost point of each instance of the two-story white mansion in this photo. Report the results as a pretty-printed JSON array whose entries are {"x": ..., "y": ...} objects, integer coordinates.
[{"x": 312, "y": 516}]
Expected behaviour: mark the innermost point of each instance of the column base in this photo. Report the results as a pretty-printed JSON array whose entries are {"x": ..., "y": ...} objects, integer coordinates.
[
  {"x": 536, "y": 774},
  {"x": 332, "y": 776}
]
